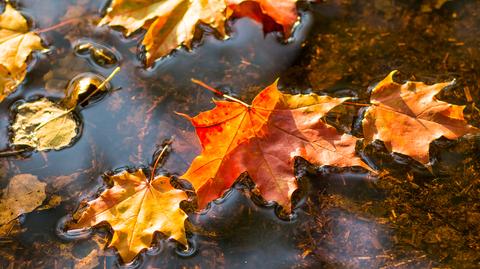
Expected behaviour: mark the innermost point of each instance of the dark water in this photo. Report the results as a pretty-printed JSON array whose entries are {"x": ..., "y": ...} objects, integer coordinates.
[{"x": 343, "y": 218}]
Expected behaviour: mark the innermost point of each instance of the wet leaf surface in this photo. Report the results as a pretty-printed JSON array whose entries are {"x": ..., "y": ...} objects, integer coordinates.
[
  {"x": 16, "y": 45},
  {"x": 408, "y": 117},
  {"x": 263, "y": 139},
  {"x": 23, "y": 194},
  {"x": 174, "y": 22},
  {"x": 347, "y": 219},
  {"x": 171, "y": 24},
  {"x": 44, "y": 125},
  {"x": 136, "y": 207},
  {"x": 272, "y": 14}
]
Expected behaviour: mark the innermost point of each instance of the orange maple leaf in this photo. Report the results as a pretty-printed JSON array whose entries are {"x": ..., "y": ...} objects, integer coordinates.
[
  {"x": 408, "y": 117},
  {"x": 263, "y": 139},
  {"x": 282, "y": 12},
  {"x": 136, "y": 208},
  {"x": 172, "y": 23}
]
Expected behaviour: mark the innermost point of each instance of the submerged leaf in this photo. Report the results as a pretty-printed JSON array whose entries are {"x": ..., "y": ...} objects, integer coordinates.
[
  {"x": 16, "y": 45},
  {"x": 44, "y": 125},
  {"x": 407, "y": 117},
  {"x": 136, "y": 208},
  {"x": 263, "y": 139},
  {"x": 23, "y": 194}
]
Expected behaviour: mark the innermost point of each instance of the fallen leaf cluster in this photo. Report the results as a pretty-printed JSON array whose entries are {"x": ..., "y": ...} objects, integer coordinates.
[
  {"x": 173, "y": 23},
  {"x": 263, "y": 139}
]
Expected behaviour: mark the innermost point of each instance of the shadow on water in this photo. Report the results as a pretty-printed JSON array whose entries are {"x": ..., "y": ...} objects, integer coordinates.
[{"x": 344, "y": 218}]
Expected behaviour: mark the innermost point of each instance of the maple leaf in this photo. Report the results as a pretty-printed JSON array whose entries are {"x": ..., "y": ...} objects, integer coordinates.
[
  {"x": 283, "y": 12},
  {"x": 16, "y": 45},
  {"x": 263, "y": 139},
  {"x": 174, "y": 21},
  {"x": 408, "y": 117},
  {"x": 136, "y": 208}
]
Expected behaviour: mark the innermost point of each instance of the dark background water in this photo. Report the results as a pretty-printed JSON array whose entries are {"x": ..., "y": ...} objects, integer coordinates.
[{"x": 407, "y": 218}]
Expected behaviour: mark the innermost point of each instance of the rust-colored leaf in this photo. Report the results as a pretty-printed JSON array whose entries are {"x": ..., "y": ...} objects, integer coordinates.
[
  {"x": 407, "y": 117},
  {"x": 282, "y": 12},
  {"x": 23, "y": 194},
  {"x": 263, "y": 139},
  {"x": 136, "y": 208}
]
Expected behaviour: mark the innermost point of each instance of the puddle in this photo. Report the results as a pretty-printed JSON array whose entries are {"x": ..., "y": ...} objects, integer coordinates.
[{"x": 345, "y": 218}]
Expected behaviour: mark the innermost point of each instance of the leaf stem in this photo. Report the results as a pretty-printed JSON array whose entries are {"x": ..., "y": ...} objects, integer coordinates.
[
  {"x": 102, "y": 85},
  {"x": 210, "y": 88},
  {"x": 99, "y": 88},
  {"x": 356, "y": 104},
  {"x": 157, "y": 161},
  {"x": 11, "y": 152}
]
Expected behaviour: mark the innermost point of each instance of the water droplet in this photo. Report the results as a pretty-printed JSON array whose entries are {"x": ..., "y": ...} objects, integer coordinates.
[
  {"x": 70, "y": 235},
  {"x": 99, "y": 54},
  {"x": 156, "y": 249},
  {"x": 136, "y": 263},
  {"x": 82, "y": 87},
  {"x": 187, "y": 252}
]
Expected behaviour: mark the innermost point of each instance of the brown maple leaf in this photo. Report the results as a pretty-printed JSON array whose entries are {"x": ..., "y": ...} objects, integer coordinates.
[
  {"x": 136, "y": 208},
  {"x": 16, "y": 45},
  {"x": 23, "y": 194},
  {"x": 263, "y": 139},
  {"x": 282, "y": 12},
  {"x": 408, "y": 117}
]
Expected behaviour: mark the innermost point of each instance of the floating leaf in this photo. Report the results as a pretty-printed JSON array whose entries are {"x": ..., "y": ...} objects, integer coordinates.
[
  {"x": 408, "y": 117},
  {"x": 263, "y": 139},
  {"x": 44, "y": 125},
  {"x": 136, "y": 208},
  {"x": 23, "y": 194},
  {"x": 174, "y": 21},
  {"x": 282, "y": 12},
  {"x": 16, "y": 45}
]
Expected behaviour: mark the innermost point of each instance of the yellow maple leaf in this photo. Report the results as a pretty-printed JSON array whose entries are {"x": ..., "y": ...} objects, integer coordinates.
[
  {"x": 170, "y": 23},
  {"x": 16, "y": 44},
  {"x": 136, "y": 208}
]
